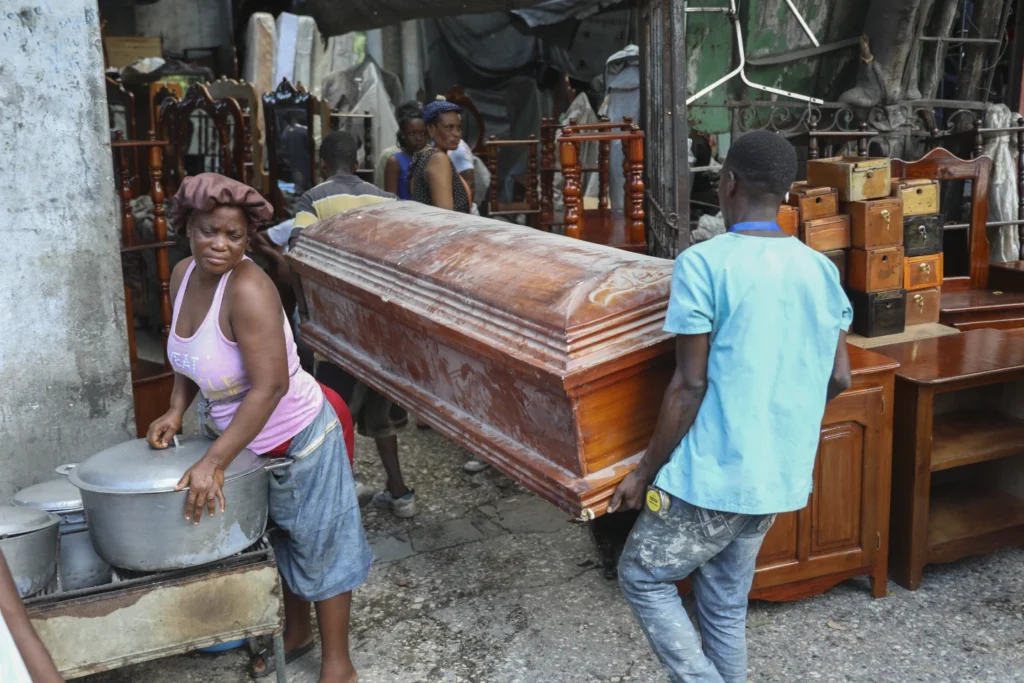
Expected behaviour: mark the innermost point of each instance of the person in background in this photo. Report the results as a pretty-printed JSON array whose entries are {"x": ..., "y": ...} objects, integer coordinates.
[
  {"x": 462, "y": 157},
  {"x": 761, "y": 324},
  {"x": 373, "y": 413},
  {"x": 403, "y": 110},
  {"x": 23, "y": 657},
  {"x": 433, "y": 178},
  {"x": 231, "y": 342},
  {"x": 412, "y": 137}
]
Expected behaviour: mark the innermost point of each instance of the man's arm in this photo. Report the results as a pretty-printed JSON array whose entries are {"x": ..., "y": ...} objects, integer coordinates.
[
  {"x": 37, "y": 660},
  {"x": 678, "y": 411},
  {"x": 839, "y": 381}
]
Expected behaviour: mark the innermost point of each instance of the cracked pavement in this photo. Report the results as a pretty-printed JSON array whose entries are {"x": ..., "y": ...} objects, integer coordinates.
[{"x": 489, "y": 584}]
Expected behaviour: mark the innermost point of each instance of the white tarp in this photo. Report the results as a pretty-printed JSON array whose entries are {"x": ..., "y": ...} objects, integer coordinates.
[
  {"x": 286, "y": 35},
  {"x": 259, "y": 55},
  {"x": 358, "y": 90},
  {"x": 622, "y": 85},
  {"x": 304, "y": 34},
  {"x": 1002, "y": 193}
]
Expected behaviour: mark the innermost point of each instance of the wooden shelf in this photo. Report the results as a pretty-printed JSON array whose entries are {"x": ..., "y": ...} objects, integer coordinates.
[
  {"x": 972, "y": 436},
  {"x": 146, "y": 371},
  {"x": 965, "y": 521}
]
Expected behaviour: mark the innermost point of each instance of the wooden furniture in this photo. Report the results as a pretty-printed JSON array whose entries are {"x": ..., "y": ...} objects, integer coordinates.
[
  {"x": 844, "y": 530},
  {"x": 205, "y": 135},
  {"x": 530, "y": 206},
  {"x": 923, "y": 306},
  {"x": 548, "y": 168},
  {"x": 875, "y": 270},
  {"x": 876, "y": 222},
  {"x": 862, "y": 136},
  {"x": 276, "y": 108},
  {"x": 151, "y": 381},
  {"x": 826, "y": 234},
  {"x": 543, "y": 355},
  {"x": 940, "y": 516},
  {"x": 604, "y": 225},
  {"x": 814, "y": 202},
  {"x": 244, "y": 93},
  {"x": 854, "y": 178},
  {"x": 331, "y": 120}
]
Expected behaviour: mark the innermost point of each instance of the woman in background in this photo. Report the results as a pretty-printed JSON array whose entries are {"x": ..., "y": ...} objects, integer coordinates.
[
  {"x": 433, "y": 178},
  {"x": 412, "y": 137},
  {"x": 401, "y": 112}
]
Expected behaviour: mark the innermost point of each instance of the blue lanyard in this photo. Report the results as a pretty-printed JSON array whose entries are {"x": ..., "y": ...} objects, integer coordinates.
[{"x": 756, "y": 225}]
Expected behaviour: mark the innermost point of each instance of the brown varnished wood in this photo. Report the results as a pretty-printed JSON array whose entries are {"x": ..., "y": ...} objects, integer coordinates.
[
  {"x": 456, "y": 95},
  {"x": 789, "y": 220},
  {"x": 548, "y": 130},
  {"x": 437, "y": 311},
  {"x": 244, "y": 93},
  {"x": 531, "y": 205},
  {"x": 814, "y": 202},
  {"x": 875, "y": 223},
  {"x": 224, "y": 116},
  {"x": 287, "y": 96},
  {"x": 826, "y": 234},
  {"x": 920, "y": 196},
  {"x": 944, "y": 525},
  {"x": 941, "y": 164},
  {"x": 923, "y": 306},
  {"x": 875, "y": 270},
  {"x": 922, "y": 272},
  {"x": 854, "y": 178}
]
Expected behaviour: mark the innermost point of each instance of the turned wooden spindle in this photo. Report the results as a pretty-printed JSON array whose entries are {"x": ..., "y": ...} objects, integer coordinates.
[
  {"x": 368, "y": 160},
  {"x": 492, "y": 166},
  {"x": 163, "y": 269},
  {"x": 862, "y": 142},
  {"x": 635, "y": 179},
  {"x": 247, "y": 168},
  {"x": 531, "y": 173},
  {"x": 979, "y": 139},
  {"x": 1020, "y": 183},
  {"x": 604, "y": 166},
  {"x": 125, "y": 176},
  {"x": 547, "y": 179},
  {"x": 812, "y": 140},
  {"x": 569, "y": 154}
]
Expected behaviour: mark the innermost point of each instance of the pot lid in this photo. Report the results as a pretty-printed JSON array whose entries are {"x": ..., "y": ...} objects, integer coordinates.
[
  {"x": 56, "y": 495},
  {"x": 134, "y": 467},
  {"x": 15, "y": 521}
]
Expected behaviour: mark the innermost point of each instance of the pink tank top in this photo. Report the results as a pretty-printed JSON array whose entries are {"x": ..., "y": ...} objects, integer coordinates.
[{"x": 214, "y": 363}]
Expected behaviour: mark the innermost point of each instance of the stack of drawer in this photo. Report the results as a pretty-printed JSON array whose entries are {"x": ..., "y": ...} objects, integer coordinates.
[
  {"x": 817, "y": 222},
  {"x": 875, "y": 263},
  {"x": 922, "y": 247}
]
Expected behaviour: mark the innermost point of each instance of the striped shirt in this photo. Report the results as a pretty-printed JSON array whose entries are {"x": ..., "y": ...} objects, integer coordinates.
[{"x": 337, "y": 194}]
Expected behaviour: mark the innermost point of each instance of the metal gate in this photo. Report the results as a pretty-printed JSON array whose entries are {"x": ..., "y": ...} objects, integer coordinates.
[{"x": 662, "y": 25}]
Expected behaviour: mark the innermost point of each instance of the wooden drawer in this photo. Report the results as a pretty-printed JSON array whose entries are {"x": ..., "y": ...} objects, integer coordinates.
[
  {"x": 878, "y": 313},
  {"x": 923, "y": 306},
  {"x": 826, "y": 234},
  {"x": 789, "y": 220},
  {"x": 922, "y": 235},
  {"x": 922, "y": 272},
  {"x": 920, "y": 197},
  {"x": 876, "y": 223},
  {"x": 814, "y": 202},
  {"x": 838, "y": 257},
  {"x": 855, "y": 178},
  {"x": 875, "y": 270}
]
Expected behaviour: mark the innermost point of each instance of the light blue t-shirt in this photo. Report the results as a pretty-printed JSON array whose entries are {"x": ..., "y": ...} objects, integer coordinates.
[{"x": 774, "y": 309}]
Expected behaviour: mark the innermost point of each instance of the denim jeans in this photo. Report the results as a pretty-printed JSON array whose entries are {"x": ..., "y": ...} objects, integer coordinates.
[{"x": 717, "y": 550}]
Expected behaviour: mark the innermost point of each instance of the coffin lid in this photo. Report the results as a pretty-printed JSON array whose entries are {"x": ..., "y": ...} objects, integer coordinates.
[{"x": 560, "y": 299}]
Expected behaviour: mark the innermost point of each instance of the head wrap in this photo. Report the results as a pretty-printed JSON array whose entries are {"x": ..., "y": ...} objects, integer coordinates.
[
  {"x": 207, "y": 191},
  {"x": 438, "y": 107}
]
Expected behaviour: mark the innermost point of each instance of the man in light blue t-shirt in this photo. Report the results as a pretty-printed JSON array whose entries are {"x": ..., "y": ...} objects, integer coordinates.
[{"x": 761, "y": 321}]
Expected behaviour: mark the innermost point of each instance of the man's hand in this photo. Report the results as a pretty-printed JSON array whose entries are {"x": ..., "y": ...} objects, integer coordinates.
[
  {"x": 162, "y": 430},
  {"x": 630, "y": 492},
  {"x": 205, "y": 482}
]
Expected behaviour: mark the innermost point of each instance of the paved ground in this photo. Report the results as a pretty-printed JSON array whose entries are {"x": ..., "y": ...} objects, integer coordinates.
[{"x": 488, "y": 584}]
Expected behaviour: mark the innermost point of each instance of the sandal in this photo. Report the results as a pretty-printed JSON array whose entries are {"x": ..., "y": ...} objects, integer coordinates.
[{"x": 267, "y": 656}]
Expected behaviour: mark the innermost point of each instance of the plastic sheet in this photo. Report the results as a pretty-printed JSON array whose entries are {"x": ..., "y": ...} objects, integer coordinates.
[{"x": 1004, "y": 243}]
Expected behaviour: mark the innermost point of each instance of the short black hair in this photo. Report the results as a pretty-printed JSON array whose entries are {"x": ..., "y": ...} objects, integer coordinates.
[
  {"x": 409, "y": 110},
  {"x": 338, "y": 151},
  {"x": 765, "y": 162}
]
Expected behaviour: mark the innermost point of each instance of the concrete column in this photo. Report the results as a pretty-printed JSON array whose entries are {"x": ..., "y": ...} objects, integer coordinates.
[
  {"x": 412, "y": 70},
  {"x": 63, "y": 350},
  {"x": 375, "y": 46}
]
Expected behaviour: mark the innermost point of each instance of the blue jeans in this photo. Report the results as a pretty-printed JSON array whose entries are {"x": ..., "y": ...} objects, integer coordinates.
[{"x": 717, "y": 550}]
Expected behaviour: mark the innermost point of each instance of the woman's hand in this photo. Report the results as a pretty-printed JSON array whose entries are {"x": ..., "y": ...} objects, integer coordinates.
[
  {"x": 205, "y": 483},
  {"x": 162, "y": 430}
]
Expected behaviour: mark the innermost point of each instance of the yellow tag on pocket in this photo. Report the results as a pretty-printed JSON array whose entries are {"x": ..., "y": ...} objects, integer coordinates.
[{"x": 653, "y": 500}]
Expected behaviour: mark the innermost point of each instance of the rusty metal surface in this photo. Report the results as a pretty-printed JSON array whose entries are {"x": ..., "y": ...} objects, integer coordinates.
[{"x": 159, "y": 615}]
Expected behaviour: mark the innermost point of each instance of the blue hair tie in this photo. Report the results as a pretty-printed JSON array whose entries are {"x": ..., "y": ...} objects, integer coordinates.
[{"x": 433, "y": 110}]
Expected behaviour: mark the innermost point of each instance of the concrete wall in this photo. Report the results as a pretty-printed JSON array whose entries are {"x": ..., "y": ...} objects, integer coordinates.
[
  {"x": 65, "y": 391},
  {"x": 186, "y": 24}
]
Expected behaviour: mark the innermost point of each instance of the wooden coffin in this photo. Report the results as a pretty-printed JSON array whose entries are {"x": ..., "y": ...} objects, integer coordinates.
[
  {"x": 855, "y": 178},
  {"x": 875, "y": 270},
  {"x": 923, "y": 306},
  {"x": 876, "y": 223},
  {"x": 814, "y": 202},
  {"x": 920, "y": 195},
  {"x": 879, "y": 313},
  {"x": 922, "y": 272},
  {"x": 543, "y": 355},
  {"x": 826, "y": 234}
]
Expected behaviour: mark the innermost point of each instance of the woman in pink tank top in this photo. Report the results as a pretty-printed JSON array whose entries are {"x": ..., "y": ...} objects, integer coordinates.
[{"x": 230, "y": 340}]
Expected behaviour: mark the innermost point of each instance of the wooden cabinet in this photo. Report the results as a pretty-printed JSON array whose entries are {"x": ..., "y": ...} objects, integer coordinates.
[{"x": 843, "y": 531}]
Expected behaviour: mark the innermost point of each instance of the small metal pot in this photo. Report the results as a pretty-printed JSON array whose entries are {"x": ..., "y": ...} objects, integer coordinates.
[
  {"x": 28, "y": 541},
  {"x": 137, "y": 519},
  {"x": 80, "y": 566}
]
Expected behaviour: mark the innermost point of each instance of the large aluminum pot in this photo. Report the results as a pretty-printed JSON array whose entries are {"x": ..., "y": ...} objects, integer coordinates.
[
  {"x": 28, "y": 541},
  {"x": 137, "y": 519},
  {"x": 80, "y": 566}
]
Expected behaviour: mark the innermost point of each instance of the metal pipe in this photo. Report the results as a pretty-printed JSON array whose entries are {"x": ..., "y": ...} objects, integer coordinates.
[
  {"x": 954, "y": 40},
  {"x": 412, "y": 73},
  {"x": 800, "y": 18},
  {"x": 757, "y": 86},
  {"x": 729, "y": 76}
]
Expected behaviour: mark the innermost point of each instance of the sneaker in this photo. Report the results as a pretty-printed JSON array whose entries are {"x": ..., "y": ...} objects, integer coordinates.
[
  {"x": 473, "y": 466},
  {"x": 403, "y": 507},
  {"x": 364, "y": 492}
]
